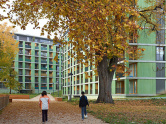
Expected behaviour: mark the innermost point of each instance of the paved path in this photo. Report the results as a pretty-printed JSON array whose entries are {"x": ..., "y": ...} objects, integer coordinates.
[
  {"x": 28, "y": 112},
  {"x": 35, "y": 98}
]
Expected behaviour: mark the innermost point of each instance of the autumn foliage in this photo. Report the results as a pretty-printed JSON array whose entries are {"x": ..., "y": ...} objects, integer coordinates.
[
  {"x": 99, "y": 30},
  {"x": 8, "y": 52}
]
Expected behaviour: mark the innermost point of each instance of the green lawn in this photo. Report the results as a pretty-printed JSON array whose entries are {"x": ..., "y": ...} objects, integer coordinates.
[{"x": 55, "y": 94}]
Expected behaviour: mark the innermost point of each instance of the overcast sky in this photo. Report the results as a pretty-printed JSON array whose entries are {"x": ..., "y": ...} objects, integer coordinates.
[{"x": 29, "y": 29}]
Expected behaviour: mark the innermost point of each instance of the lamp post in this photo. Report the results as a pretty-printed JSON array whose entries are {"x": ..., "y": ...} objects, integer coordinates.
[
  {"x": 58, "y": 87},
  {"x": 70, "y": 86},
  {"x": 53, "y": 88}
]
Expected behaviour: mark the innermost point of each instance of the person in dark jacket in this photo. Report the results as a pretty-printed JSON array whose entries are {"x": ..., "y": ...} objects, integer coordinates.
[{"x": 82, "y": 104}]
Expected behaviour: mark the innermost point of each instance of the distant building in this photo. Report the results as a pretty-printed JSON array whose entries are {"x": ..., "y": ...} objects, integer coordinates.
[{"x": 37, "y": 70}]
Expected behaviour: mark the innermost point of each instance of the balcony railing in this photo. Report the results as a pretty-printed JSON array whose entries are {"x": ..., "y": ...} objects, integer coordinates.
[
  {"x": 51, "y": 62},
  {"x": 20, "y": 59},
  {"x": 50, "y": 49},
  {"x": 27, "y": 80},
  {"x": 27, "y": 46},
  {"x": 27, "y": 66},
  {"x": 28, "y": 60},
  {"x": 20, "y": 80},
  {"x": 20, "y": 45},
  {"x": 43, "y": 48},
  {"x": 43, "y": 61},
  {"x": 43, "y": 68},
  {"x": 20, "y": 66},
  {"x": 43, "y": 74},
  {"x": 36, "y": 47},
  {"x": 50, "y": 68},
  {"x": 43, "y": 87},
  {"x": 36, "y": 60}
]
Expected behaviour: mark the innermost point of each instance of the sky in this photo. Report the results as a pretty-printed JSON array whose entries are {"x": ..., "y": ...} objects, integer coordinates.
[{"x": 29, "y": 29}]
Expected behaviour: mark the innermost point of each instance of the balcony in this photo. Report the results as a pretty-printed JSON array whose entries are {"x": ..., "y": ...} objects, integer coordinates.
[
  {"x": 20, "y": 66},
  {"x": 43, "y": 61},
  {"x": 50, "y": 88},
  {"x": 27, "y": 80},
  {"x": 50, "y": 49},
  {"x": 43, "y": 48},
  {"x": 20, "y": 52},
  {"x": 43, "y": 74},
  {"x": 43, "y": 81},
  {"x": 36, "y": 81},
  {"x": 86, "y": 91},
  {"x": 36, "y": 74},
  {"x": 42, "y": 68},
  {"x": 77, "y": 71},
  {"x": 36, "y": 60},
  {"x": 20, "y": 74},
  {"x": 27, "y": 46},
  {"x": 86, "y": 68},
  {"x": 36, "y": 87},
  {"x": 50, "y": 68},
  {"x": 51, "y": 62},
  {"x": 43, "y": 87},
  {"x": 28, "y": 60},
  {"x": 86, "y": 80},
  {"x": 50, "y": 75},
  {"x": 20, "y": 59},
  {"x": 20, "y": 80},
  {"x": 77, "y": 81},
  {"x": 20, "y": 45},
  {"x": 37, "y": 48},
  {"x": 27, "y": 66}
]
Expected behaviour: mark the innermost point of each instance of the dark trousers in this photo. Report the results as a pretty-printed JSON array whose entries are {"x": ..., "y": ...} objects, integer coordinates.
[{"x": 44, "y": 115}]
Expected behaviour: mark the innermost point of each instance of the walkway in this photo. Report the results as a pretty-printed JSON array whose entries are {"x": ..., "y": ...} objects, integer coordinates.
[{"x": 28, "y": 112}]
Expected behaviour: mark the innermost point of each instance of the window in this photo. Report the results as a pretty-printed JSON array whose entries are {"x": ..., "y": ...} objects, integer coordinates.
[
  {"x": 133, "y": 70},
  {"x": 160, "y": 56},
  {"x": 132, "y": 86},
  {"x": 133, "y": 37},
  {"x": 2, "y": 86},
  {"x": 120, "y": 87}
]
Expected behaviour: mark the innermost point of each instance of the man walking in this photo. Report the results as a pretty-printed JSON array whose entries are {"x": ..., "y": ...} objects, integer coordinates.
[{"x": 82, "y": 104}]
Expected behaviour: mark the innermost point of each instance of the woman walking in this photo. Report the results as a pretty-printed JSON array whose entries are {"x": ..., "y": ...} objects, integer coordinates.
[{"x": 44, "y": 101}]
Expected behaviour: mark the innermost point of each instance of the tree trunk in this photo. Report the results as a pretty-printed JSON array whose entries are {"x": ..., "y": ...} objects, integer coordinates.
[
  {"x": 10, "y": 90},
  {"x": 105, "y": 79}
]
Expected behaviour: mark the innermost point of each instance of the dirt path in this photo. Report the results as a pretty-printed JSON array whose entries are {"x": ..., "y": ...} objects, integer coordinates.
[{"x": 28, "y": 112}]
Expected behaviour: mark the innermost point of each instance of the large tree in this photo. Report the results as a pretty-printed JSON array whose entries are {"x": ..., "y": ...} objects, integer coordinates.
[
  {"x": 8, "y": 52},
  {"x": 98, "y": 29}
]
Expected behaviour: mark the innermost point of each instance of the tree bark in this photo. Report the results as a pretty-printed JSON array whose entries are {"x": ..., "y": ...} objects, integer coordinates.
[{"x": 105, "y": 79}]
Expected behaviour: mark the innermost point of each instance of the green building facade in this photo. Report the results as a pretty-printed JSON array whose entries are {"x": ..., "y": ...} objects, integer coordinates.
[{"x": 37, "y": 70}]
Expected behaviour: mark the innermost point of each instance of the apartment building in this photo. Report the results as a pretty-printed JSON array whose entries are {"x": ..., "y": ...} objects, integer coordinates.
[{"x": 37, "y": 70}]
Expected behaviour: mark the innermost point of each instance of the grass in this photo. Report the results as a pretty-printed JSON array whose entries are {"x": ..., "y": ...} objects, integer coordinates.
[
  {"x": 55, "y": 94},
  {"x": 147, "y": 111}
]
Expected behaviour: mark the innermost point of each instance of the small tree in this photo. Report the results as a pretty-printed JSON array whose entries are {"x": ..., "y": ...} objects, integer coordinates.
[{"x": 8, "y": 52}]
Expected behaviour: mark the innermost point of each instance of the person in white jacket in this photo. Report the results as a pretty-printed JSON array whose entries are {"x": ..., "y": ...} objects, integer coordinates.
[{"x": 44, "y": 101}]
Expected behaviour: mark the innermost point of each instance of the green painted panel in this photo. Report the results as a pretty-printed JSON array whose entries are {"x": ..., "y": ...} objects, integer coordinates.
[
  {"x": 113, "y": 87},
  {"x": 146, "y": 69},
  {"x": 149, "y": 53},
  {"x": 146, "y": 86},
  {"x": 146, "y": 37}
]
